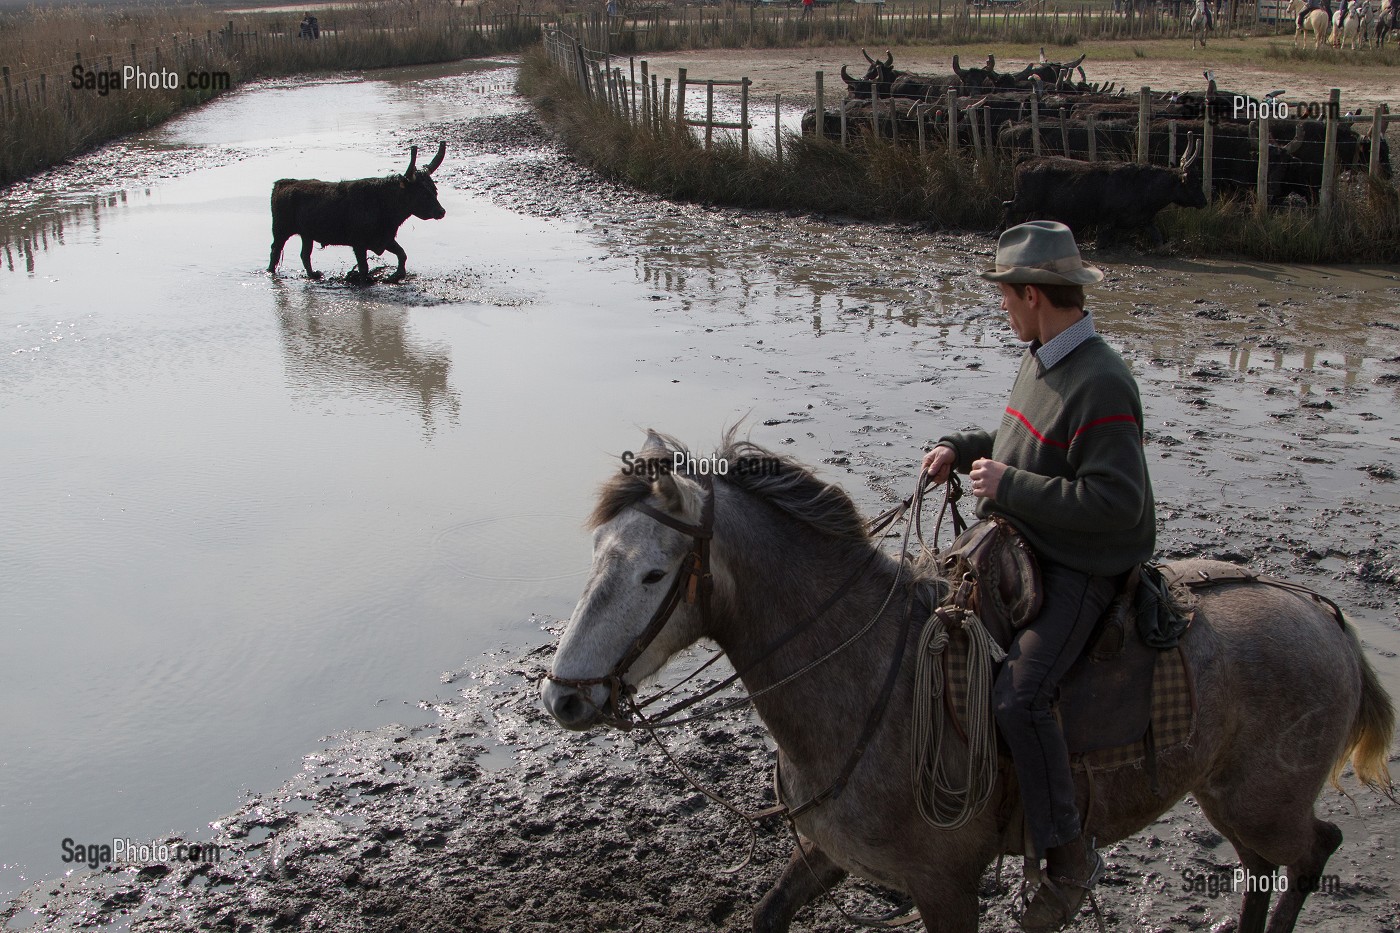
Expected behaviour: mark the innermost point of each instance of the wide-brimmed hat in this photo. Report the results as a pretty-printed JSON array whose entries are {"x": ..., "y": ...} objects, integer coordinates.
[{"x": 1041, "y": 252}]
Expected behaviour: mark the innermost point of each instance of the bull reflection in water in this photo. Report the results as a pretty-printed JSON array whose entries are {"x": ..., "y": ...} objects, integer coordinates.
[{"x": 339, "y": 343}]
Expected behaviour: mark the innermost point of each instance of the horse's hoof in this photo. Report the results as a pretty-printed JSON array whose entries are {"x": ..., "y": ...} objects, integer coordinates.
[
  {"x": 396, "y": 278},
  {"x": 314, "y": 276}
]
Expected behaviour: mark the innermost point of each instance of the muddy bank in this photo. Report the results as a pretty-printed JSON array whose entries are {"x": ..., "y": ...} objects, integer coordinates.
[
  {"x": 491, "y": 819},
  {"x": 1271, "y": 394}
]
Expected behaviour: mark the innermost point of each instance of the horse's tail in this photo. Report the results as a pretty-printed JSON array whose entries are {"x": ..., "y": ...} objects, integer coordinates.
[{"x": 1368, "y": 744}]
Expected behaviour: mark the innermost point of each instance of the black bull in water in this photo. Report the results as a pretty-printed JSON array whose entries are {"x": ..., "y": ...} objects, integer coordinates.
[{"x": 364, "y": 214}]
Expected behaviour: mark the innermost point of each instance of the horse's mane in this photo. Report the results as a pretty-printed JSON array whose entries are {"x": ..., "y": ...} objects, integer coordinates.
[{"x": 785, "y": 484}]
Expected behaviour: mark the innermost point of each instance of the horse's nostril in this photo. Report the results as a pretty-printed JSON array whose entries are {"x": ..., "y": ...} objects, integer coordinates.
[{"x": 569, "y": 708}]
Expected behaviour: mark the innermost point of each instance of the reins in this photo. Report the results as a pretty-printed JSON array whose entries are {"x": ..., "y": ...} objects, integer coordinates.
[{"x": 623, "y": 711}]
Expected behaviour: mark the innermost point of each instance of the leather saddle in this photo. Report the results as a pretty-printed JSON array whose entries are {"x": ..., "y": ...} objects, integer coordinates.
[{"x": 993, "y": 572}]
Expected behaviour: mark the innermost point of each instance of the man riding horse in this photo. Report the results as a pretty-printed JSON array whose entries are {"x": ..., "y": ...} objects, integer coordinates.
[
  {"x": 1323, "y": 5},
  {"x": 1066, "y": 469}
]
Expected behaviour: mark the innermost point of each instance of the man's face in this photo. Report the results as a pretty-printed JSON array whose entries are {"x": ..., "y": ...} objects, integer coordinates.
[{"x": 1023, "y": 320}]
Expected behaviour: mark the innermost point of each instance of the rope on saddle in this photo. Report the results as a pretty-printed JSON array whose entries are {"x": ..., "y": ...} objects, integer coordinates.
[{"x": 945, "y": 800}]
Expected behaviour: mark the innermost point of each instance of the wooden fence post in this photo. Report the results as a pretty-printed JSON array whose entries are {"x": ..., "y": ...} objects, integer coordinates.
[
  {"x": 1328, "y": 195},
  {"x": 646, "y": 95},
  {"x": 709, "y": 113},
  {"x": 952, "y": 119},
  {"x": 821, "y": 107},
  {"x": 1261, "y": 182},
  {"x": 1377, "y": 134},
  {"x": 666, "y": 101},
  {"x": 843, "y": 120},
  {"x": 680, "y": 98},
  {"x": 744, "y": 115},
  {"x": 1171, "y": 142},
  {"x": 1208, "y": 144},
  {"x": 1144, "y": 122},
  {"x": 778, "y": 126},
  {"x": 974, "y": 122},
  {"x": 1035, "y": 126},
  {"x": 582, "y": 64},
  {"x": 1091, "y": 137}
]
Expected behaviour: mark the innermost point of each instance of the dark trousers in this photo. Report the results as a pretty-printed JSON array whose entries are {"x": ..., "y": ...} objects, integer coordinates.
[{"x": 1025, "y": 689}]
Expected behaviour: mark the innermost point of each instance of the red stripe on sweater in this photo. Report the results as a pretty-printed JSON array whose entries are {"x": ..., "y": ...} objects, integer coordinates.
[
  {"x": 1031, "y": 428},
  {"x": 1110, "y": 419}
]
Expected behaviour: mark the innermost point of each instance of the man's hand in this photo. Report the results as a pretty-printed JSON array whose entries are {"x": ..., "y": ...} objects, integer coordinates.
[
  {"x": 938, "y": 463},
  {"x": 986, "y": 477}
]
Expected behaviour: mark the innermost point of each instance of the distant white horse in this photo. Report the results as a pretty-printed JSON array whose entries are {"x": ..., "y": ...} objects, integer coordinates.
[
  {"x": 1316, "y": 20},
  {"x": 1200, "y": 22},
  {"x": 1346, "y": 22}
]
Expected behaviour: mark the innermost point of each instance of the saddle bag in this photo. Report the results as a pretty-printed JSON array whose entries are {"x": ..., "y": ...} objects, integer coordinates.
[{"x": 993, "y": 572}]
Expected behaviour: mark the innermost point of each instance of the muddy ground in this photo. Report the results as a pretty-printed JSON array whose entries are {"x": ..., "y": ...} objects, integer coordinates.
[{"x": 492, "y": 819}]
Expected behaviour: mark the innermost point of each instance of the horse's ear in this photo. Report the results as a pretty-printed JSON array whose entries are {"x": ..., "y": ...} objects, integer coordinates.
[
  {"x": 654, "y": 448},
  {"x": 679, "y": 494}
]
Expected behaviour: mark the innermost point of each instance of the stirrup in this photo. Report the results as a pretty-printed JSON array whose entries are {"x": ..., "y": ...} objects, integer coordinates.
[{"x": 1062, "y": 897}]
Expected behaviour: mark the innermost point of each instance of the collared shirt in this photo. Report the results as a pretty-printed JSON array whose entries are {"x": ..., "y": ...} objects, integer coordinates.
[{"x": 1064, "y": 342}]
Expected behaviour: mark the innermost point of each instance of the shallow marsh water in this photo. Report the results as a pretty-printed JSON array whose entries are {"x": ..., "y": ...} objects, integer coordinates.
[{"x": 247, "y": 511}]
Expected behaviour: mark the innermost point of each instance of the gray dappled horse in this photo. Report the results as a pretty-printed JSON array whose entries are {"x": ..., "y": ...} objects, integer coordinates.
[{"x": 1285, "y": 695}]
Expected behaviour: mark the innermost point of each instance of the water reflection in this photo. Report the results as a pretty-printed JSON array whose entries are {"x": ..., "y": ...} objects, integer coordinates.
[
  {"x": 330, "y": 335},
  {"x": 27, "y": 233}
]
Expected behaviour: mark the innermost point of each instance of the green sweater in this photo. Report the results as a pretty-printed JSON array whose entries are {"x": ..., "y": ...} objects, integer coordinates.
[{"x": 1076, "y": 483}]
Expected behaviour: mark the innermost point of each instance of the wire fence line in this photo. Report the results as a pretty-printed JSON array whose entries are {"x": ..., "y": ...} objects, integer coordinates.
[{"x": 1237, "y": 157}]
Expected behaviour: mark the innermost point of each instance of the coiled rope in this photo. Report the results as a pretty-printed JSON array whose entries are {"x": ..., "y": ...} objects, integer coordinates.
[{"x": 945, "y": 800}]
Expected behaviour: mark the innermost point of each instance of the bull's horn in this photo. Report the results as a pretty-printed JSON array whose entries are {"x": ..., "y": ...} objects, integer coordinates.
[
  {"x": 412, "y": 162},
  {"x": 1082, "y": 78},
  {"x": 1192, "y": 155},
  {"x": 1078, "y": 61},
  {"x": 957, "y": 69},
  {"x": 1024, "y": 73},
  {"x": 437, "y": 159},
  {"x": 867, "y": 56},
  {"x": 845, "y": 77},
  {"x": 889, "y": 59}
]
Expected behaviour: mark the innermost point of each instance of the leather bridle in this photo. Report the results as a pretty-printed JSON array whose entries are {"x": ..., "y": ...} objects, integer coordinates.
[{"x": 694, "y": 583}]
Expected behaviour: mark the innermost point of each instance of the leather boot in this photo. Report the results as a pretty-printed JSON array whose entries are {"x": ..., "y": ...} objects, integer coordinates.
[{"x": 1071, "y": 871}]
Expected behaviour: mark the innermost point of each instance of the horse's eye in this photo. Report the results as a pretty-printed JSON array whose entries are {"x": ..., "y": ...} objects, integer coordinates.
[{"x": 653, "y": 577}]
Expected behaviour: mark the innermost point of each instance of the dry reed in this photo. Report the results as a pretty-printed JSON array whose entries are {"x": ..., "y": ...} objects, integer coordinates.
[{"x": 45, "y": 119}]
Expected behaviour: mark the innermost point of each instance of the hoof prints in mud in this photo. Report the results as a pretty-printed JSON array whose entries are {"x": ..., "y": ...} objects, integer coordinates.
[{"x": 404, "y": 829}]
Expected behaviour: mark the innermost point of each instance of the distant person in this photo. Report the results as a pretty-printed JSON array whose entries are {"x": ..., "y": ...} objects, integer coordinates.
[
  {"x": 315, "y": 28},
  {"x": 305, "y": 32},
  {"x": 612, "y": 9},
  {"x": 1323, "y": 5},
  {"x": 807, "y": 7}
]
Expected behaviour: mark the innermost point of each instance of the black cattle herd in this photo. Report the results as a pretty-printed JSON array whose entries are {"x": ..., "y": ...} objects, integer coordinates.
[{"x": 1072, "y": 112}]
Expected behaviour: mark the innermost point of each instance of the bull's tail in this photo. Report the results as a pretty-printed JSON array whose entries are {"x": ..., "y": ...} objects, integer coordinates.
[{"x": 1368, "y": 744}]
